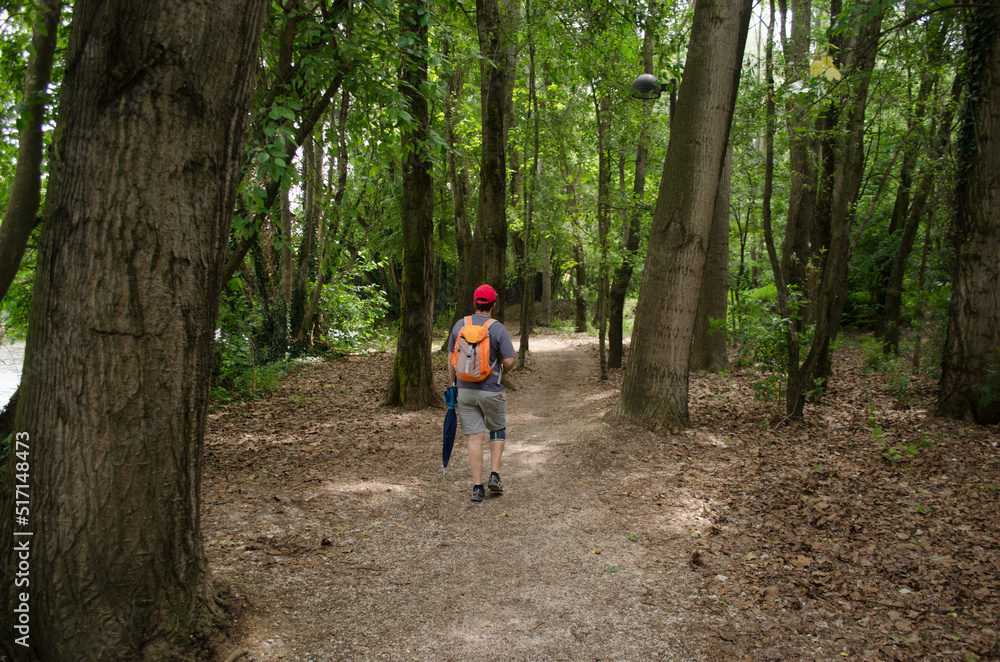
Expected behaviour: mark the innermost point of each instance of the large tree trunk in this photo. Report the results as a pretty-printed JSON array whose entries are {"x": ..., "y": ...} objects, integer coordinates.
[
  {"x": 970, "y": 368},
  {"x": 25, "y": 191},
  {"x": 412, "y": 381},
  {"x": 623, "y": 274},
  {"x": 655, "y": 386},
  {"x": 709, "y": 350},
  {"x": 459, "y": 183},
  {"x": 496, "y": 69},
  {"x": 114, "y": 396}
]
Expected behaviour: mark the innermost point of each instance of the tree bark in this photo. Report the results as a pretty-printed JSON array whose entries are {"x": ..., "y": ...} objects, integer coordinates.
[
  {"x": 496, "y": 69},
  {"x": 527, "y": 270},
  {"x": 580, "y": 287},
  {"x": 655, "y": 385},
  {"x": 602, "y": 108},
  {"x": 412, "y": 381},
  {"x": 143, "y": 176},
  {"x": 709, "y": 349},
  {"x": 970, "y": 367},
  {"x": 796, "y": 252},
  {"x": 312, "y": 166},
  {"x": 25, "y": 191}
]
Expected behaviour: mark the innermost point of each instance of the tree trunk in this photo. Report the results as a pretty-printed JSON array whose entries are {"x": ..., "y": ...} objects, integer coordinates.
[
  {"x": 143, "y": 177},
  {"x": 970, "y": 367},
  {"x": 623, "y": 275},
  {"x": 796, "y": 252},
  {"x": 496, "y": 69},
  {"x": 312, "y": 185},
  {"x": 545, "y": 314},
  {"x": 25, "y": 191},
  {"x": 845, "y": 155},
  {"x": 894, "y": 285},
  {"x": 709, "y": 350},
  {"x": 580, "y": 287},
  {"x": 602, "y": 109},
  {"x": 781, "y": 285},
  {"x": 655, "y": 385},
  {"x": 528, "y": 272},
  {"x": 903, "y": 216},
  {"x": 412, "y": 381}
]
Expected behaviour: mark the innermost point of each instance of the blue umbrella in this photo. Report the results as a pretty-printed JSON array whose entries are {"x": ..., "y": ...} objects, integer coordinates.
[{"x": 450, "y": 423}]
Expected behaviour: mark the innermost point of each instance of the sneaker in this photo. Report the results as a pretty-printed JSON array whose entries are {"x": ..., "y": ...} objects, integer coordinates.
[
  {"x": 495, "y": 485},
  {"x": 478, "y": 493}
]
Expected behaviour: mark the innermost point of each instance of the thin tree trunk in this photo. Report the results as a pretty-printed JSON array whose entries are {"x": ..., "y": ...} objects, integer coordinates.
[
  {"x": 796, "y": 253},
  {"x": 623, "y": 275},
  {"x": 545, "y": 315},
  {"x": 894, "y": 285},
  {"x": 655, "y": 385},
  {"x": 791, "y": 337},
  {"x": 25, "y": 191},
  {"x": 114, "y": 396},
  {"x": 846, "y": 156},
  {"x": 313, "y": 187},
  {"x": 602, "y": 109},
  {"x": 528, "y": 276},
  {"x": 918, "y": 313},
  {"x": 580, "y": 288}
]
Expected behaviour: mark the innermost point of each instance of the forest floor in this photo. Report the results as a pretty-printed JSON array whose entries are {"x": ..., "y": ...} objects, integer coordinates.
[{"x": 327, "y": 518}]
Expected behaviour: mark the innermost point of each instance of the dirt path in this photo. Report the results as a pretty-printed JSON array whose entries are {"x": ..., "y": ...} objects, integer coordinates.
[
  {"x": 329, "y": 519},
  {"x": 392, "y": 561}
]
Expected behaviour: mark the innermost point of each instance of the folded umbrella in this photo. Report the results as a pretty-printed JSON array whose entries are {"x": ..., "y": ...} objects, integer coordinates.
[{"x": 450, "y": 423}]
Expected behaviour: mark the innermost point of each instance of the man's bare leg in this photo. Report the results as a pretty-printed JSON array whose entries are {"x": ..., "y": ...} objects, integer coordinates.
[
  {"x": 496, "y": 451},
  {"x": 475, "y": 442}
]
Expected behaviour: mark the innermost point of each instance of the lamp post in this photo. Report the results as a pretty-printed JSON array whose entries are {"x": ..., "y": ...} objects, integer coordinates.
[{"x": 646, "y": 87}]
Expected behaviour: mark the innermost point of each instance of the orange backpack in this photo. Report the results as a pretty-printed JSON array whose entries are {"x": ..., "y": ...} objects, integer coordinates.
[{"x": 471, "y": 358}]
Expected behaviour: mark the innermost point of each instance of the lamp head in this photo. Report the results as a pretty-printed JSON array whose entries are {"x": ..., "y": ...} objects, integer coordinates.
[{"x": 647, "y": 87}]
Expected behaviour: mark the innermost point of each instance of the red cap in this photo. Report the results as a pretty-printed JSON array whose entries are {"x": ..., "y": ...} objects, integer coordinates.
[{"x": 485, "y": 294}]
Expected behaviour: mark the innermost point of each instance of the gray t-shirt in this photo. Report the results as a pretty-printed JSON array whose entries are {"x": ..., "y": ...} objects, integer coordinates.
[{"x": 500, "y": 348}]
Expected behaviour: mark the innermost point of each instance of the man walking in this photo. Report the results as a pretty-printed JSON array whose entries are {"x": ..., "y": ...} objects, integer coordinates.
[{"x": 482, "y": 403}]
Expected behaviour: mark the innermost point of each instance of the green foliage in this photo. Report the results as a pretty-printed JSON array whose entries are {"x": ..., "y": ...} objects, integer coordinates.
[
  {"x": 352, "y": 314},
  {"x": 16, "y": 305}
]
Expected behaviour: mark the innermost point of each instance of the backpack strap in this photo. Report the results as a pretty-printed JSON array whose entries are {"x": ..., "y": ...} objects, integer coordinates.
[{"x": 498, "y": 371}]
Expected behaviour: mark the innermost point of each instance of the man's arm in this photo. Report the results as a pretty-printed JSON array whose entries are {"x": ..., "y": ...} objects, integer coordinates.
[
  {"x": 508, "y": 364},
  {"x": 451, "y": 371}
]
